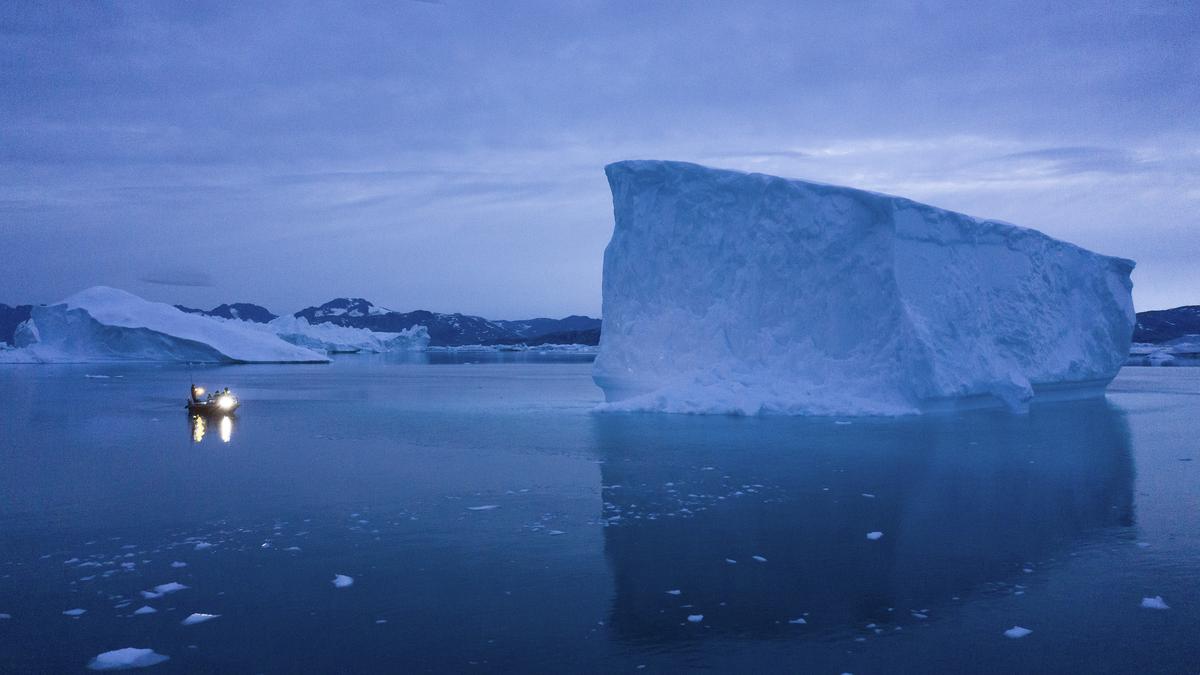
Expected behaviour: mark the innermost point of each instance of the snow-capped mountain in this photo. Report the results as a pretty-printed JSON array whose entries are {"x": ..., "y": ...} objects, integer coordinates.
[
  {"x": 444, "y": 329},
  {"x": 1167, "y": 324},
  {"x": 244, "y": 311}
]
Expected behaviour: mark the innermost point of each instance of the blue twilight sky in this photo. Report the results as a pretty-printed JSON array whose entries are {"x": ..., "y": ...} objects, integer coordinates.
[{"x": 449, "y": 156}]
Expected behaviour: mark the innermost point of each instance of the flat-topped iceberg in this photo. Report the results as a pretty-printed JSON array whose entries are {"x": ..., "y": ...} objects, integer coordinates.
[
  {"x": 334, "y": 339},
  {"x": 106, "y": 324},
  {"x": 746, "y": 293}
]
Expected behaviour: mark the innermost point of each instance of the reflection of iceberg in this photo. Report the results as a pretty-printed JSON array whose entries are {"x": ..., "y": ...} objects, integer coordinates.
[
  {"x": 106, "y": 324},
  {"x": 963, "y": 502}
]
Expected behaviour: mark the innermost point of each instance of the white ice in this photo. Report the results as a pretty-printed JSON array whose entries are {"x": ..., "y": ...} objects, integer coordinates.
[
  {"x": 1017, "y": 632},
  {"x": 727, "y": 292},
  {"x": 695, "y": 618},
  {"x": 759, "y": 558},
  {"x": 106, "y": 324},
  {"x": 75, "y": 612},
  {"x": 1154, "y": 603},
  {"x": 485, "y": 507},
  {"x": 178, "y": 564},
  {"x": 874, "y": 535},
  {"x": 198, "y": 617},
  {"x": 129, "y": 657},
  {"x": 145, "y": 609},
  {"x": 342, "y": 581}
]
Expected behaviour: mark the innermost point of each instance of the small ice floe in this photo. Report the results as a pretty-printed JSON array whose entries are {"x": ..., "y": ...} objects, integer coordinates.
[
  {"x": 1154, "y": 603},
  {"x": 731, "y": 561},
  {"x": 170, "y": 587},
  {"x": 920, "y": 615},
  {"x": 292, "y": 549},
  {"x": 129, "y": 657},
  {"x": 1016, "y": 632},
  {"x": 1143, "y": 544},
  {"x": 342, "y": 581},
  {"x": 868, "y": 495},
  {"x": 5, "y": 616},
  {"x": 695, "y": 618},
  {"x": 380, "y": 620},
  {"x": 145, "y": 609},
  {"x": 81, "y": 612},
  {"x": 485, "y": 507},
  {"x": 555, "y": 533},
  {"x": 178, "y": 564},
  {"x": 674, "y": 591},
  {"x": 798, "y": 621},
  {"x": 97, "y": 377},
  {"x": 201, "y": 545},
  {"x": 874, "y": 535},
  {"x": 198, "y": 617},
  {"x": 842, "y": 422},
  {"x": 759, "y": 558}
]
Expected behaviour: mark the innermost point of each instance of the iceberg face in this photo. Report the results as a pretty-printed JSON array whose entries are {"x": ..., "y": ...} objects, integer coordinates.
[
  {"x": 106, "y": 324},
  {"x": 335, "y": 339},
  {"x": 745, "y": 293}
]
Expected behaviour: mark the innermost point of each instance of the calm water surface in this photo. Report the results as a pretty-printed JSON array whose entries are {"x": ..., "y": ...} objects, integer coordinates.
[{"x": 491, "y": 522}]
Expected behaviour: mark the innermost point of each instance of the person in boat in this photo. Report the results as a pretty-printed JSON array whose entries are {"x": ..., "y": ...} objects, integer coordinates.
[{"x": 197, "y": 392}]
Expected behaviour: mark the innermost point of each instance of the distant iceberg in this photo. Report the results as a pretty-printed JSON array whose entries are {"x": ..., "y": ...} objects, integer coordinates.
[
  {"x": 335, "y": 339},
  {"x": 727, "y": 292},
  {"x": 106, "y": 324}
]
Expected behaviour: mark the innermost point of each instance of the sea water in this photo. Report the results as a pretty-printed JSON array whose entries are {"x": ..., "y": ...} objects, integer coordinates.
[{"x": 488, "y": 520}]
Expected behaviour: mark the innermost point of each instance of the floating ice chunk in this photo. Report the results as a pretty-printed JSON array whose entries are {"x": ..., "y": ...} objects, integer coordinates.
[
  {"x": 178, "y": 564},
  {"x": 342, "y": 581},
  {"x": 380, "y": 620},
  {"x": 201, "y": 545},
  {"x": 695, "y": 618},
  {"x": 868, "y": 495},
  {"x": 198, "y": 617},
  {"x": 798, "y": 621},
  {"x": 555, "y": 533},
  {"x": 75, "y": 612},
  {"x": 485, "y": 507},
  {"x": 5, "y": 616},
  {"x": 145, "y": 609},
  {"x": 675, "y": 591},
  {"x": 874, "y": 535},
  {"x": 1154, "y": 603},
  {"x": 1016, "y": 632},
  {"x": 129, "y": 657},
  {"x": 759, "y": 558},
  {"x": 151, "y": 595},
  {"x": 293, "y": 549},
  {"x": 731, "y": 561},
  {"x": 169, "y": 587}
]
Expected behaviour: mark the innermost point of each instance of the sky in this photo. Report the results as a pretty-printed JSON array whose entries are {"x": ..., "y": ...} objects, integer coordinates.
[{"x": 449, "y": 155}]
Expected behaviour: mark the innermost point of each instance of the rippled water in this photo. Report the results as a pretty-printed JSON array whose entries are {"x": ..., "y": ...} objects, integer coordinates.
[{"x": 490, "y": 522}]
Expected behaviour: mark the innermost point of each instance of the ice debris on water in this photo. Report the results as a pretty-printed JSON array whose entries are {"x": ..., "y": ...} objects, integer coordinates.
[
  {"x": 1154, "y": 603},
  {"x": 198, "y": 617},
  {"x": 797, "y": 621},
  {"x": 1016, "y": 632},
  {"x": 695, "y": 618},
  {"x": 178, "y": 564},
  {"x": 5, "y": 616},
  {"x": 874, "y": 535},
  {"x": 759, "y": 558},
  {"x": 485, "y": 507},
  {"x": 75, "y": 612},
  {"x": 674, "y": 591},
  {"x": 129, "y": 657},
  {"x": 201, "y": 545},
  {"x": 342, "y": 581},
  {"x": 145, "y": 609}
]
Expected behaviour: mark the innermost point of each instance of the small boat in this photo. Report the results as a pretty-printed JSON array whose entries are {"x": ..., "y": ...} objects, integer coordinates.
[{"x": 218, "y": 403}]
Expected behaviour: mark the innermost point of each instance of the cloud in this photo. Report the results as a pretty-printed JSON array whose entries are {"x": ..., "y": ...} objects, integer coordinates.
[
  {"x": 177, "y": 277},
  {"x": 1075, "y": 159}
]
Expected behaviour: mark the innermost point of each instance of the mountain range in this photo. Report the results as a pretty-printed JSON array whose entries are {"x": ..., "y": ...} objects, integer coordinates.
[{"x": 1157, "y": 326}]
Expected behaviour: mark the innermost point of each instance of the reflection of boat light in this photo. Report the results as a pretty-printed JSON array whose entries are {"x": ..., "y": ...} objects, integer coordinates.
[{"x": 200, "y": 427}]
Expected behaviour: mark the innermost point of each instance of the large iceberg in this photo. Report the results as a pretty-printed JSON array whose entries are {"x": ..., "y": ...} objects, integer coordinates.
[
  {"x": 746, "y": 293},
  {"x": 106, "y": 324},
  {"x": 334, "y": 339}
]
